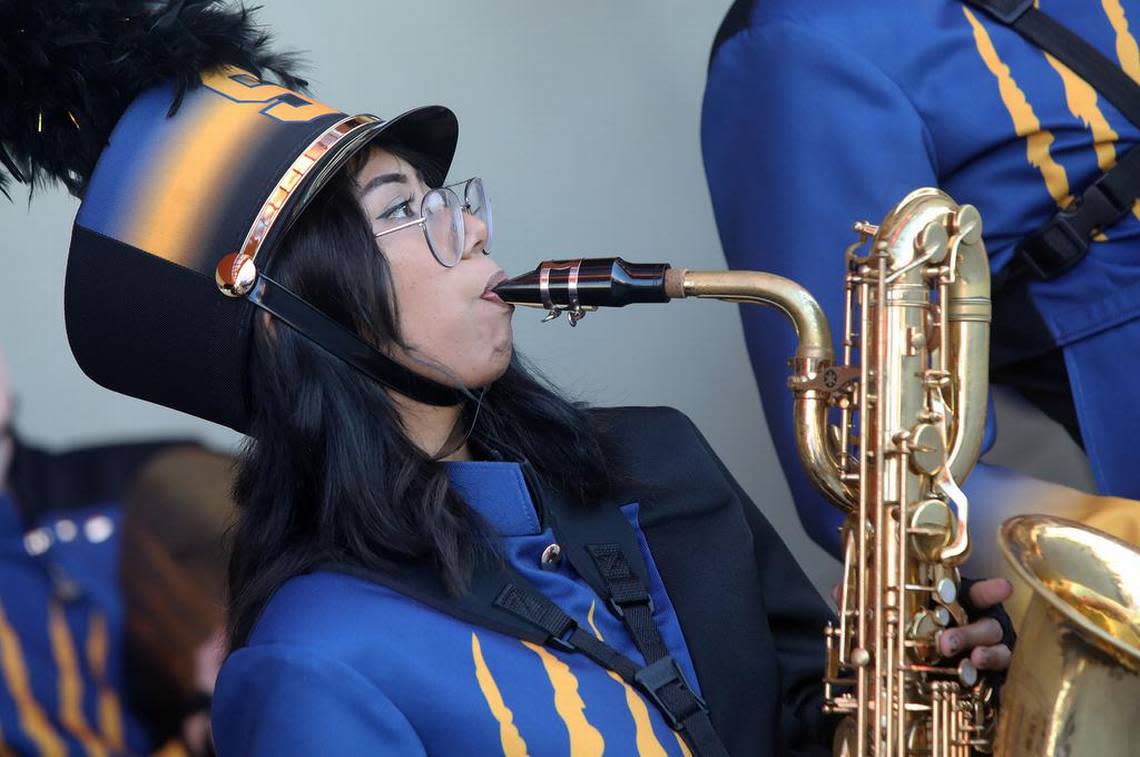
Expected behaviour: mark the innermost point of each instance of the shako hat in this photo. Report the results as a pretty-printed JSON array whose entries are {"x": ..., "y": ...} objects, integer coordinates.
[{"x": 172, "y": 248}]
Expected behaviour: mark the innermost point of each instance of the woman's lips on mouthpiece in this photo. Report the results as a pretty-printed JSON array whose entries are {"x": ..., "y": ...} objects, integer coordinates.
[{"x": 498, "y": 277}]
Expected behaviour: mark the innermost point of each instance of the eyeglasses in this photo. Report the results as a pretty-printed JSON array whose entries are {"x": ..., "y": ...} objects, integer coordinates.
[{"x": 441, "y": 216}]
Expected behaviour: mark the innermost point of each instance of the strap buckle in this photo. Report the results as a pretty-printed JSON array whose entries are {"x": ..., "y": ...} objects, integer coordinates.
[
  {"x": 618, "y": 608},
  {"x": 1104, "y": 202},
  {"x": 1064, "y": 241},
  {"x": 1054, "y": 248},
  {"x": 562, "y": 642},
  {"x": 1006, "y": 11},
  {"x": 679, "y": 704}
]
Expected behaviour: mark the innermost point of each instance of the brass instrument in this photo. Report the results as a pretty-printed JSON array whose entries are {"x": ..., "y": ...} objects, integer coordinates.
[
  {"x": 909, "y": 423},
  {"x": 1074, "y": 684}
]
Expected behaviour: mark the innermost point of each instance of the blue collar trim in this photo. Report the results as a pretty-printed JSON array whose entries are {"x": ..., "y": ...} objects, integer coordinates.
[{"x": 498, "y": 492}]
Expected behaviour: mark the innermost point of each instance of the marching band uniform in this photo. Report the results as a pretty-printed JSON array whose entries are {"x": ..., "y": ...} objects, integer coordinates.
[
  {"x": 62, "y": 620},
  {"x": 351, "y": 661},
  {"x": 339, "y": 664}
]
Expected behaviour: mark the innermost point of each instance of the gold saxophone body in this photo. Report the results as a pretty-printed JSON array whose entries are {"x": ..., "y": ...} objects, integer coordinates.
[
  {"x": 910, "y": 398},
  {"x": 911, "y": 421},
  {"x": 888, "y": 434}
]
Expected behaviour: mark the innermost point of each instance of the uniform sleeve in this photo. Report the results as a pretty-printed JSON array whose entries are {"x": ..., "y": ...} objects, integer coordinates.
[
  {"x": 801, "y": 137},
  {"x": 797, "y": 616},
  {"x": 278, "y": 699}
]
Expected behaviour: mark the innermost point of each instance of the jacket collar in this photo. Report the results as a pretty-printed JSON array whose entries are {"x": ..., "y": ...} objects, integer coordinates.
[{"x": 498, "y": 492}]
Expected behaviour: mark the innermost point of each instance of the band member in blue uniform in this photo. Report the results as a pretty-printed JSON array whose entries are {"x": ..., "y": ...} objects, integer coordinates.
[
  {"x": 72, "y": 680},
  {"x": 819, "y": 114},
  {"x": 435, "y": 553}
]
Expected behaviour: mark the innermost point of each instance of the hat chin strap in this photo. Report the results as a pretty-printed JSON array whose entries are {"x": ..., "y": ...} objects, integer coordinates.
[{"x": 335, "y": 339}]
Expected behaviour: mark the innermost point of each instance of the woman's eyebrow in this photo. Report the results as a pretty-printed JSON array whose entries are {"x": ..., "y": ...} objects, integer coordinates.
[{"x": 382, "y": 179}]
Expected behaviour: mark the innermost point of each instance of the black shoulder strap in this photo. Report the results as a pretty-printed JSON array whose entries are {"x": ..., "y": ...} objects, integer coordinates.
[
  {"x": 1056, "y": 39},
  {"x": 602, "y": 546},
  {"x": 662, "y": 681},
  {"x": 502, "y": 600},
  {"x": 1064, "y": 241}
]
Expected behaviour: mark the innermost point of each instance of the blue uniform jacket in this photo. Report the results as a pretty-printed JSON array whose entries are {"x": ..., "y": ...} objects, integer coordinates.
[
  {"x": 62, "y": 677},
  {"x": 818, "y": 114},
  {"x": 338, "y": 665}
]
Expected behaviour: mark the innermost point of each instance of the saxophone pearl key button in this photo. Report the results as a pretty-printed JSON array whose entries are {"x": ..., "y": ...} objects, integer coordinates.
[
  {"x": 947, "y": 591},
  {"x": 967, "y": 673},
  {"x": 968, "y": 224},
  {"x": 551, "y": 557}
]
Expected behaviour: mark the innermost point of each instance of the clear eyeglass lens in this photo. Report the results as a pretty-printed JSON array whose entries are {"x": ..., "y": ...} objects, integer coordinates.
[
  {"x": 479, "y": 205},
  {"x": 443, "y": 222}
]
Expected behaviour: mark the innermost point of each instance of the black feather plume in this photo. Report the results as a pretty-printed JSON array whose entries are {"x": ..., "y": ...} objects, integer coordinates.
[{"x": 70, "y": 68}]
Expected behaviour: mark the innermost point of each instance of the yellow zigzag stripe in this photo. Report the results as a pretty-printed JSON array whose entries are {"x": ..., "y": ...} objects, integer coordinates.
[
  {"x": 1082, "y": 102},
  {"x": 70, "y": 682},
  {"x": 32, "y": 717},
  {"x": 647, "y": 743},
  {"x": 1025, "y": 122},
  {"x": 585, "y": 739},
  {"x": 509, "y": 735},
  {"x": 1127, "y": 52},
  {"x": 110, "y": 711}
]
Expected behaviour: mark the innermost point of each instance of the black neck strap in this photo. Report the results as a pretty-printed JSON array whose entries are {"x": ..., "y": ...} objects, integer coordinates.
[
  {"x": 338, "y": 341},
  {"x": 1064, "y": 241}
]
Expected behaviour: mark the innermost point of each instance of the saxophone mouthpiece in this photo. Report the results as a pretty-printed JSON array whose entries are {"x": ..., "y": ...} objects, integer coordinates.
[{"x": 579, "y": 286}]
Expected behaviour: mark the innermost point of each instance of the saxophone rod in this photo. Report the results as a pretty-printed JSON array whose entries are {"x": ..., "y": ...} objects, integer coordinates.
[{"x": 585, "y": 284}]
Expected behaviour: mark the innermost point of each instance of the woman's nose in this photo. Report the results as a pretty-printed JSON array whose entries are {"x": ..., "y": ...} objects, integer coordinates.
[{"x": 474, "y": 235}]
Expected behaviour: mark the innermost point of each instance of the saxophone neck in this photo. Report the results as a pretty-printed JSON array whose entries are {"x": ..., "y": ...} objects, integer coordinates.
[
  {"x": 579, "y": 286},
  {"x": 814, "y": 350},
  {"x": 586, "y": 284}
]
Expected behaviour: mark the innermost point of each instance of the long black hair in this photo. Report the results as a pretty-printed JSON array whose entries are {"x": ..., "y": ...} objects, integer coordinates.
[{"x": 328, "y": 474}]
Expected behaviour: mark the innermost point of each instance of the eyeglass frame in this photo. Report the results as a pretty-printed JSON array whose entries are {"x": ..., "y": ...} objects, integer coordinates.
[{"x": 422, "y": 220}]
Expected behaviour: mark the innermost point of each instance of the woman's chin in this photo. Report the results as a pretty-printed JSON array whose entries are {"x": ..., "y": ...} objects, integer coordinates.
[{"x": 501, "y": 364}]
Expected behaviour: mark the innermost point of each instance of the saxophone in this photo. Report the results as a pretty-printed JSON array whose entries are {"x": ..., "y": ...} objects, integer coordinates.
[{"x": 888, "y": 434}]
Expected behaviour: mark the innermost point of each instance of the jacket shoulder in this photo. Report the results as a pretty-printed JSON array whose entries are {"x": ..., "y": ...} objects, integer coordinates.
[
  {"x": 663, "y": 460},
  {"x": 642, "y": 419},
  {"x": 648, "y": 437},
  {"x": 322, "y": 609}
]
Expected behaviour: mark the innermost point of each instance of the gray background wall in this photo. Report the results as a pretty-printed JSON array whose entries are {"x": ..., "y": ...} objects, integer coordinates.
[{"x": 583, "y": 119}]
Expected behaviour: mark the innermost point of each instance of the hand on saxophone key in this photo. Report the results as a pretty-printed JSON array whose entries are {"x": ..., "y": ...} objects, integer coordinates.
[{"x": 984, "y": 638}]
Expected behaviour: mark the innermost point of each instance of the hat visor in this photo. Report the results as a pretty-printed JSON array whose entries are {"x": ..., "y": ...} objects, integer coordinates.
[{"x": 432, "y": 130}]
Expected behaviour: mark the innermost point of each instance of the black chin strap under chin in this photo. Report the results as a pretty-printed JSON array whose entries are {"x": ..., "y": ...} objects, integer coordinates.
[{"x": 338, "y": 341}]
